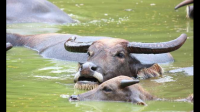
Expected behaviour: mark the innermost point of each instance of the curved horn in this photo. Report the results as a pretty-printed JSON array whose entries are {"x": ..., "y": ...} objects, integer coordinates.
[
  {"x": 156, "y": 48},
  {"x": 8, "y": 46},
  {"x": 186, "y": 2},
  {"x": 72, "y": 46},
  {"x": 125, "y": 83}
]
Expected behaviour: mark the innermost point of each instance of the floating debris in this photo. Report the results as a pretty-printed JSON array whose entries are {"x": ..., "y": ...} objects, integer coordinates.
[
  {"x": 128, "y": 10},
  {"x": 152, "y": 4},
  {"x": 48, "y": 68},
  {"x": 186, "y": 70},
  {"x": 64, "y": 96},
  {"x": 48, "y": 77},
  {"x": 164, "y": 79}
]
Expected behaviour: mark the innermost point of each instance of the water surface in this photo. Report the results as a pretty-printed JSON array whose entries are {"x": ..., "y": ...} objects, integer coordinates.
[{"x": 37, "y": 84}]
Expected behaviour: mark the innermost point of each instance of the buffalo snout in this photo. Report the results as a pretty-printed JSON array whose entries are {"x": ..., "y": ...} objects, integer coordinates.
[
  {"x": 88, "y": 76},
  {"x": 87, "y": 69}
]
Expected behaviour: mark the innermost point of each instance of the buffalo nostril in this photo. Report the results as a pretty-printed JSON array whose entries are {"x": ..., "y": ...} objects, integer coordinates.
[{"x": 88, "y": 66}]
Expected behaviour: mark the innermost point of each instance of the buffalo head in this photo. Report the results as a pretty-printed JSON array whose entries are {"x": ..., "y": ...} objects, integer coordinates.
[
  {"x": 107, "y": 58},
  {"x": 121, "y": 88}
]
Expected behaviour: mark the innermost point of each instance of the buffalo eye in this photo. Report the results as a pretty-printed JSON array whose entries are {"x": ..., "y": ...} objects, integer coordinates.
[
  {"x": 88, "y": 53},
  {"x": 120, "y": 55},
  {"x": 107, "y": 89}
]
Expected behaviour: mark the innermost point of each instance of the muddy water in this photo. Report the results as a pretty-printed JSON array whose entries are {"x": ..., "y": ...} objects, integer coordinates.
[{"x": 37, "y": 84}]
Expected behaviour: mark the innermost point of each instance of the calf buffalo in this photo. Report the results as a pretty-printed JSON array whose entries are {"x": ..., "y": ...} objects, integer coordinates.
[
  {"x": 107, "y": 58},
  {"x": 120, "y": 88}
]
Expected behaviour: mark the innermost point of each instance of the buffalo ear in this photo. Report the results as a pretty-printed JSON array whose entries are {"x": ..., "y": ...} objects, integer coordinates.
[
  {"x": 153, "y": 71},
  {"x": 125, "y": 83}
]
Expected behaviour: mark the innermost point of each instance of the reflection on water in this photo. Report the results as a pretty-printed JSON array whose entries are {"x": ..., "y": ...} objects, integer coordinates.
[
  {"x": 34, "y": 83},
  {"x": 188, "y": 28},
  {"x": 100, "y": 106},
  {"x": 186, "y": 70},
  {"x": 27, "y": 28},
  {"x": 155, "y": 106},
  {"x": 164, "y": 79}
]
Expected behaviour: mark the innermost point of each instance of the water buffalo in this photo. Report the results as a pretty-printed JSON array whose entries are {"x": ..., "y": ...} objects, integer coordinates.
[
  {"x": 190, "y": 9},
  {"x": 26, "y": 11},
  {"x": 120, "y": 88},
  {"x": 107, "y": 58}
]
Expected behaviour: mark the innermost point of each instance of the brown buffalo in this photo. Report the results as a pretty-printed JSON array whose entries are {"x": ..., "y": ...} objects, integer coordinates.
[
  {"x": 107, "y": 58},
  {"x": 121, "y": 88}
]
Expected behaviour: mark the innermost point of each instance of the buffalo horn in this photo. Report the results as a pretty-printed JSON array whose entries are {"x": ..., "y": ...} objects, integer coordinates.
[
  {"x": 8, "y": 46},
  {"x": 125, "y": 83},
  {"x": 72, "y": 46},
  {"x": 186, "y": 2},
  {"x": 156, "y": 48}
]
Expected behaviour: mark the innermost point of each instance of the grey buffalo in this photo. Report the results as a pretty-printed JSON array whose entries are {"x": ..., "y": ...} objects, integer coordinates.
[
  {"x": 35, "y": 11},
  {"x": 50, "y": 45}
]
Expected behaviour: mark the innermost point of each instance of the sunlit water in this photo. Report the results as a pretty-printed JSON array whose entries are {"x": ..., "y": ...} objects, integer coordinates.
[{"x": 37, "y": 84}]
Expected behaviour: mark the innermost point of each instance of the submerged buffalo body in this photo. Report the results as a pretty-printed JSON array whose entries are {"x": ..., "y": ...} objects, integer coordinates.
[
  {"x": 120, "y": 88},
  {"x": 50, "y": 45},
  {"x": 29, "y": 11},
  {"x": 107, "y": 58}
]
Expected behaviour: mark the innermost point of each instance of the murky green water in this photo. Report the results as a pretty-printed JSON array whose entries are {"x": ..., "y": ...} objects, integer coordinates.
[{"x": 37, "y": 84}]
